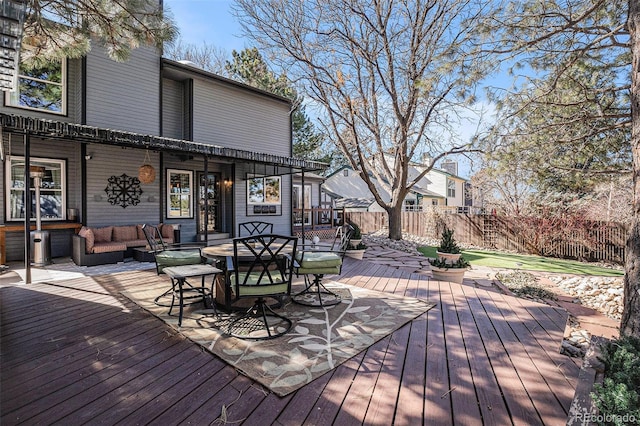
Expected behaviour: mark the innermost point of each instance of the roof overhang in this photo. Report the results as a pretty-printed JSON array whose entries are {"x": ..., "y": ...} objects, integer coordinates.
[{"x": 266, "y": 164}]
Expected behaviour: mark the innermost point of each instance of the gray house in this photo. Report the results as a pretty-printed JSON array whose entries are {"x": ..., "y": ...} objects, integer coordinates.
[{"x": 149, "y": 140}]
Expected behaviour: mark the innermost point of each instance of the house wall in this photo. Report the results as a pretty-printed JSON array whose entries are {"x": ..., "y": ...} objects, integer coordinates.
[
  {"x": 173, "y": 111},
  {"x": 244, "y": 212},
  {"x": 100, "y": 212},
  {"x": 458, "y": 200},
  {"x": 235, "y": 118},
  {"x": 55, "y": 149},
  {"x": 132, "y": 96},
  {"x": 124, "y": 95}
]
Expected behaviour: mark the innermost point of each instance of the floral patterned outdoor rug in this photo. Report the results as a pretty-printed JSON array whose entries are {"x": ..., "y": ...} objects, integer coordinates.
[{"x": 320, "y": 339}]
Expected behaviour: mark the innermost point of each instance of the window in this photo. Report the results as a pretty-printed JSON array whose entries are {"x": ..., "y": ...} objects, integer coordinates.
[
  {"x": 263, "y": 190},
  {"x": 41, "y": 88},
  {"x": 298, "y": 218},
  {"x": 451, "y": 188},
  {"x": 179, "y": 193},
  {"x": 52, "y": 191}
]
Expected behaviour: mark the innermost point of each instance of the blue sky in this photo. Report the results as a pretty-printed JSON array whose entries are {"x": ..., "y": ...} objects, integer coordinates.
[{"x": 207, "y": 21}]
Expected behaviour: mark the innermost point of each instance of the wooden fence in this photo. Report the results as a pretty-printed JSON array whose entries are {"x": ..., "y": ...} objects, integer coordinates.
[{"x": 587, "y": 240}]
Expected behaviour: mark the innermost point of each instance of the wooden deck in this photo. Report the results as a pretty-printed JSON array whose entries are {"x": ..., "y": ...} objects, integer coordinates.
[{"x": 76, "y": 351}]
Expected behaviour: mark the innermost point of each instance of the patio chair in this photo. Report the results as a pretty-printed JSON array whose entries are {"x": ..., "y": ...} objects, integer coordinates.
[
  {"x": 261, "y": 268},
  {"x": 168, "y": 255},
  {"x": 318, "y": 261},
  {"x": 255, "y": 227}
]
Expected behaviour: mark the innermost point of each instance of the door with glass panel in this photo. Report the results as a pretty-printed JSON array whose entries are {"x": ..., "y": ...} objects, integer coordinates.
[{"x": 209, "y": 212}]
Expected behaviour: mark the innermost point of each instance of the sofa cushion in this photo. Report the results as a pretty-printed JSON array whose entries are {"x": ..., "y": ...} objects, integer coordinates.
[
  {"x": 125, "y": 233},
  {"x": 141, "y": 232},
  {"x": 103, "y": 235},
  {"x": 136, "y": 243},
  {"x": 87, "y": 234},
  {"x": 167, "y": 232},
  {"x": 108, "y": 247}
]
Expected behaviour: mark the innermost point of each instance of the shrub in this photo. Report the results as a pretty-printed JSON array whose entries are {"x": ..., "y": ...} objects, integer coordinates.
[
  {"x": 448, "y": 243},
  {"x": 442, "y": 263},
  {"x": 357, "y": 233},
  {"x": 618, "y": 397},
  {"x": 360, "y": 246}
]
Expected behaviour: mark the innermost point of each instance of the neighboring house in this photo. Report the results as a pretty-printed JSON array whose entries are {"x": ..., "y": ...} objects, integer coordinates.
[
  {"x": 96, "y": 122},
  {"x": 437, "y": 187}
]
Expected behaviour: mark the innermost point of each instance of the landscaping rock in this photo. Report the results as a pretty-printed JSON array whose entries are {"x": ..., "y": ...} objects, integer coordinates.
[{"x": 603, "y": 294}]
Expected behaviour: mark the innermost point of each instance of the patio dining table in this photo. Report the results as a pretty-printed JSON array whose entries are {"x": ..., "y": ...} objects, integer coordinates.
[{"x": 222, "y": 255}]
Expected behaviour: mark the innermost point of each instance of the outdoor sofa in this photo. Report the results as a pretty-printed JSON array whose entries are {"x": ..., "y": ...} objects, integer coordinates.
[{"x": 112, "y": 244}]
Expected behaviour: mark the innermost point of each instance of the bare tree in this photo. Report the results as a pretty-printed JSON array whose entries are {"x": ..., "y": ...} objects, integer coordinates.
[
  {"x": 391, "y": 78},
  {"x": 504, "y": 189},
  {"x": 64, "y": 29},
  {"x": 205, "y": 56}
]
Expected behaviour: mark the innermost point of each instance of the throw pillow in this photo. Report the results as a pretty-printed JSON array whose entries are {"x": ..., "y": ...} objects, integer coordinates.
[
  {"x": 87, "y": 234},
  {"x": 125, "y": 233},
  {"x": 103, "y": 235},
  {"x": 167, "y": 231}
]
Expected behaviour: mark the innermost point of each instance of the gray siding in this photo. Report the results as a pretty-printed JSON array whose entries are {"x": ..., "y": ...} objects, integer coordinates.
[
  {"x": 124, "y": 95},
  {"x": 172, "y": 109},
  {"x": 235, "y": 118},
  {"x": 113, "y": 161}
]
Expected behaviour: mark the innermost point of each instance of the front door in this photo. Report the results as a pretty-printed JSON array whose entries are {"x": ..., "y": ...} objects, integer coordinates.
[{"x": 209, "y": 217}]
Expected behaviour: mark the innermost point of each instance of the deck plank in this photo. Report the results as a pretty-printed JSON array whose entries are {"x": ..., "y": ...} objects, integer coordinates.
[
  {"x": 512, "y": 388},
  {"x": 384, "y": 398},
  {"x": 461, "y": 390},
  {"x": 76, "y": 351},
  {"x": 437, "y": 405},
  {"x": 490, "y": 401}
]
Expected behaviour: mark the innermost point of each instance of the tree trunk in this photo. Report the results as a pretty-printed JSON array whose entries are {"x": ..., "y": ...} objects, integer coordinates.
[
  {"x": 395, "y": 221},
  {"x": 630, "y": 324}
]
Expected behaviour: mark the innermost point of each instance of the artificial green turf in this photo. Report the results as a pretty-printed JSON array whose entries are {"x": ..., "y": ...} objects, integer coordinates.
[{"x": 528, "y": 262}]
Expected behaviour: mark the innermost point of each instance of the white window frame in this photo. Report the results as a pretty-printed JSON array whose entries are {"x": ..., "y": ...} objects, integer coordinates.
[
  {"x": 18, "y": 185},
  {"x": 176, "y": 191},
  {"x": 451, "y": 188},
  {"x": 297, "y": 202},
  {"x": 12, "y": 98}
]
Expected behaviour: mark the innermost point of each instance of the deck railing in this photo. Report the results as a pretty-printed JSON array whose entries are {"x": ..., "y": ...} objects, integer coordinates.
[{"x": 316, "y": 221}]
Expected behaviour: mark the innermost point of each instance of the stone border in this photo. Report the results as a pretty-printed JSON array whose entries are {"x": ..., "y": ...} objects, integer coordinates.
[{"x": 582, "y": 408}]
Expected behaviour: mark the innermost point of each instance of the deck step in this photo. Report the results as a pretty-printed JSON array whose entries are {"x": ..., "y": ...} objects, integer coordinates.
[{"x": 218, "y": 238}]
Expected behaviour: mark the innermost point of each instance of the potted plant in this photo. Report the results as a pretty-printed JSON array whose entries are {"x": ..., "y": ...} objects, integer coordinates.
[
  {"x": 448, "y": 249},
  {"x": 449, "y": 265},
  {"x": 442, "y": 270},
  {"x": 356, "y": 236},
  {"x": 357, "y": 251}
]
